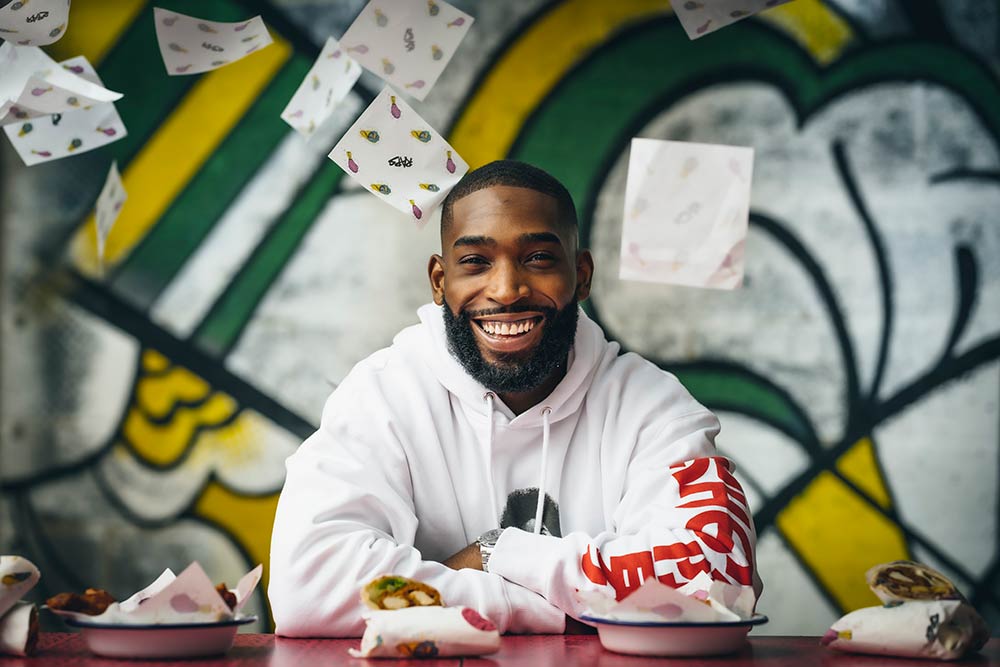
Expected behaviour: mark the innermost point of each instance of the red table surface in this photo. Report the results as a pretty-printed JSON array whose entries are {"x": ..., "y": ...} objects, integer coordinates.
[{"x": 61, "y": 649}]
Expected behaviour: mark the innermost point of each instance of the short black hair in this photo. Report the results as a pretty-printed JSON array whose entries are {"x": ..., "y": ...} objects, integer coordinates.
[{"x": 515, "y": 174}]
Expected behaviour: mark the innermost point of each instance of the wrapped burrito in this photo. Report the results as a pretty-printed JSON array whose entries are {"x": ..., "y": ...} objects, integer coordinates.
[
  {"x": 940, "y": 629},
  {"x": 427, "y": 632},
  {"x": 19, "y": 630},
  {"x": 925, "y": 616},
  {"x": 17, "y": 577}
]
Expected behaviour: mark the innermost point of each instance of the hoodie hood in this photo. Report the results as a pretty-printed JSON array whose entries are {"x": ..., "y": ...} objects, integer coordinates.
[{"x": 429, "y": 341}]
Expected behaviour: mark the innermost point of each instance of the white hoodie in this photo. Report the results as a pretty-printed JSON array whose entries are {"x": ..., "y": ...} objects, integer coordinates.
[{"x": 414, "y": 460}]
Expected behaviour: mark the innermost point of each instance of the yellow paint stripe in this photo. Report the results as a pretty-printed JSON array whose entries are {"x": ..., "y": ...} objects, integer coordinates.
[
  {"x": 159, "y": 393},
  {"x": 154, "y": 362},
  {"x": 822, "y": 32},
  {"x": 859, "y": 465},
  {"x": 94, "y": 27},
  {"x": 532, "y": 66},
  {"x": 840, "y": 536},
  {"x": 163, "y": 444},
  {"x": 177, "y": 151},
  {"x": 551, "y": 46}
]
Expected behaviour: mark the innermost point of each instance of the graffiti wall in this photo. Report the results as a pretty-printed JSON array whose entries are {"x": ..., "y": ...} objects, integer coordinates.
[{"x": 148, "y": 402}]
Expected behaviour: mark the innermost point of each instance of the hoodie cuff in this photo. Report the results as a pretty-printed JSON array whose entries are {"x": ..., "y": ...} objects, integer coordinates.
[{"x": 526, "y": 559}]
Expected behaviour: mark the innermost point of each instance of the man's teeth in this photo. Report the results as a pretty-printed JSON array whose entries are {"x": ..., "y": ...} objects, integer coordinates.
[{"x": 507, "y": 328}]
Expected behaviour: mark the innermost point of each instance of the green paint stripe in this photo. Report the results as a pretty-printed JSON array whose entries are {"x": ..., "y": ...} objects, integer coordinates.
[
  {"x": 225, "y": 321},
  {"x": 733, "y": 390},
  {"x": 588, "y": 119},
  {"x": 161, "y": 254},
  {"x": 135, "y": 68}
]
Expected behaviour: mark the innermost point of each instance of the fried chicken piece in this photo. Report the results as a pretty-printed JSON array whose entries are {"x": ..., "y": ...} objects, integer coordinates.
[
  {"x": 226, "y": 595},
  {"x": 93, "y": 602},
  {"x": 392, "y": 592}
]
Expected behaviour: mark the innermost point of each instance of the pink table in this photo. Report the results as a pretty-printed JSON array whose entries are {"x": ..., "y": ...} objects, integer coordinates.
[{"x": 64, "y": 649}]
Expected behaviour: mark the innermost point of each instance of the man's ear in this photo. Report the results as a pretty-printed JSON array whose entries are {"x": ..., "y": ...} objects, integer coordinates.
[
  {"x": 584, "y": 274},
  {"x": 435, "y": 271}
]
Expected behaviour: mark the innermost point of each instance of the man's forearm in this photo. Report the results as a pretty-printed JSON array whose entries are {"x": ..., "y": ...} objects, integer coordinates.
[{"x": 468, "y": 558}]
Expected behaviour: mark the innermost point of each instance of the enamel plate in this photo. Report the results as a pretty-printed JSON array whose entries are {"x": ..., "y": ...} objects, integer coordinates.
[
  {"x": 186, "y": 640},
  {"x": 673, "y": 639}
]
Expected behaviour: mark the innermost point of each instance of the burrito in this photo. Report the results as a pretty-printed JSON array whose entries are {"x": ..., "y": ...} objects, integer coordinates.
[
  {"x": 905, "y": 580},
  {"x": 427, "y": 632},
  {"x": 393, "y": 592},
  {"x": 924, "y": 616},
  {"x": 19, "y": 630},
  {"x": 940, "y": 629}
]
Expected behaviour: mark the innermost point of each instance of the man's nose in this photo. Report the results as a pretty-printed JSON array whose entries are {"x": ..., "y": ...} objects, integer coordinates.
[{"x": 507, "y": 284}]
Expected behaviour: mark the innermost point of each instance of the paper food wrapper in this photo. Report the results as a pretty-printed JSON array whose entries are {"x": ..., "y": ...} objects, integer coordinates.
[
  {"x": 36, "y": 23},
  {"x": 925, "y": 616},
  {"x": 939, "y": 629},
  {"x": 17, "y": 576},
  {"x": 701, "y": 600},
  {"x": 394, "y": 154},
  {"x": 189, "y": 597},
  {"x": 701, "y": 17},
  {"x": 19, "y": 630},
  {"x": 41, "y": 139},
  {"x": 34, "y": 85},
  {"x": 407, "y": 42},
  {"x": 427, "y": 632},
  {"x": 190, "y": 45},
  {"x": 687, "y": 208},
  {"x": 327, "y": 83}
]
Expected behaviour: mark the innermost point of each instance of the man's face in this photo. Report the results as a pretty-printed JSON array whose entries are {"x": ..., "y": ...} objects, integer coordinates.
[{"x": 509, "y": 277}]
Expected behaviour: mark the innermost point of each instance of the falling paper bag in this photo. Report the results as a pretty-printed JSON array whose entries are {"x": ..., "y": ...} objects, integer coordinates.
[
  {"x": 327, "y": 83},
  {"x": 700, "y": 17},
  {"x": 34, "y": 85},
  {"x": 407, "y": 42},
  {"x": 191, "y": 45},
  {"x": 59, "y": 135},
  {"x": 393, "y": 153},
  {"x": 34, "y": 22},
  {"x": 687, "y": 207},
  {"x": 109, "y": 205}
]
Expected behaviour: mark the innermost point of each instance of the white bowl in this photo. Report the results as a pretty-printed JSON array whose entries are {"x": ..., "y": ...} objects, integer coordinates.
[
  {"x": 187, "y": 640},
  {"x": 673, "y": 639}
]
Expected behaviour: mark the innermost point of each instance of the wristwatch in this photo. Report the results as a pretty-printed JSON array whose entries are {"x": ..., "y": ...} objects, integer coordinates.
[{"x": 487, "y": 542}]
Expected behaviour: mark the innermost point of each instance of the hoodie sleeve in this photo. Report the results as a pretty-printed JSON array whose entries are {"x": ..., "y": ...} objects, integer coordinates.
[
  {"x": 681, "y": 512},
  {"x": 343, "y": 517}
]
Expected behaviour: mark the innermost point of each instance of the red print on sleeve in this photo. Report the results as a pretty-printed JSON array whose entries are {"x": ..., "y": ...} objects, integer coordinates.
[{"x": 718, "y": 527}]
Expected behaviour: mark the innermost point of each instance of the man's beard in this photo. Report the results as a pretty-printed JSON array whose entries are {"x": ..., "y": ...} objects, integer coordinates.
[{"x": 513, "y": 373}]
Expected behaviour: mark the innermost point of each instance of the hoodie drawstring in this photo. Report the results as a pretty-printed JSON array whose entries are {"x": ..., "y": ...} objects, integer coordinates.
[
  {"x": 488, "y": 397},
  {"x": 540, "y": 506}
]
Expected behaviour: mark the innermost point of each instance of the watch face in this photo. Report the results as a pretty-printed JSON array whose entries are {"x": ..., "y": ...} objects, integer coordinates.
[{"x": 490, "y": 537}]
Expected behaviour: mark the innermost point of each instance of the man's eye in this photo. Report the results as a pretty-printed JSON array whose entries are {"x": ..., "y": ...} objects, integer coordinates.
[
  {"x": 472, "y": 259},
  {"x": 540, "y": 257}
]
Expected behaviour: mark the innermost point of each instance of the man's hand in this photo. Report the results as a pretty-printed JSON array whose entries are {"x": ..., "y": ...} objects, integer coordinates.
[{"x": 468, "y": 558}]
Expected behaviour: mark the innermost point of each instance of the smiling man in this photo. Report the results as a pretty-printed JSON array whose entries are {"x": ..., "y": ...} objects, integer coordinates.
[{"x": 502, "y": 450}]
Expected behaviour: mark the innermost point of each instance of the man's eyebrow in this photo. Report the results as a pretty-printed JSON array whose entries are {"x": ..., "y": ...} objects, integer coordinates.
[
  {"x": 474, "y": 240},
  {"x": 539, "y": 237}
]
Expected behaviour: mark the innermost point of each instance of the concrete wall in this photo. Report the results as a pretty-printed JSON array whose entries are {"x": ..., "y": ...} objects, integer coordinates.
[{"x": 147, "y": 406}]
